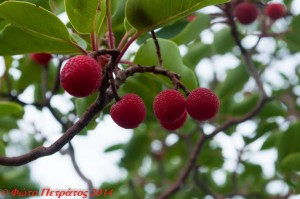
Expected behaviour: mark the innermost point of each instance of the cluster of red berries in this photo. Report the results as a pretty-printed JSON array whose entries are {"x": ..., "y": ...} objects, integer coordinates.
[
  {"x": 82, "y": 75},
  {"x": 247, "y": 12},
  {"x": 170, "y": 108}
]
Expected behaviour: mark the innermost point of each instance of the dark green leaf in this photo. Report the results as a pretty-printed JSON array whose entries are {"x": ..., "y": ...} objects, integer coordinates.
[
  {"x": 13, "y": 44},
  {"x": 9, "y": 108},
  {"x": 196, "y": 52},
  {"x": 289, "y": 142},
  {"x": 271, "y": 141},
  {"x": 34, "y": 19},
  {"x": 135, "y": 150},
  {"x": 273, "y": 108},
  {"x": 235, "y": 80},
  {"x": 146, "y": 56},
  {"x": 114, "y": 148},
  {"x": 81, "y": 105},
  {"x": 292, "y": 37},
  {"x": 192, "y": 30},
  {"x": 249, "y": 102},
  {"x": 2, "y": 148},
  {"x": 168, "y": 10},
  {"x": 291, "y": 163},
  {"x": 82, "y": 14},
  {"x": 223, "y": 41},
  {"x": 42, "y": 3}
]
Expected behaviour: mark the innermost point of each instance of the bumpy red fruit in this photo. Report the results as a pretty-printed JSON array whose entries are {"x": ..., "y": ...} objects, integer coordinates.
[
  {"x": 81, "y": 76},
  {"x": 275, "y": 11},
  {"x": 202, "y": 104},
  {"x": 246, "y": 13},
  {"x": 176, "y": 124},
  {"x": 129, "y": 112},
  {"x": 41, "y": 58},
  {"x": 169, "y": 105}
]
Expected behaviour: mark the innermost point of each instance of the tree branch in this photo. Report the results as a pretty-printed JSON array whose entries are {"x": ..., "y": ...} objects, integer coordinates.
[
  {"x": 204, "y": 187},
  {"x": 203, "y": 138},
  {"x": 245, "y": 54},
  {"x": 70, "y": 151}
]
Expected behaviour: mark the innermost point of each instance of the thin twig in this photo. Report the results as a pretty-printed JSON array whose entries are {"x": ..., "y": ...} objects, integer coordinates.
[
  {"x": 203, "y": 138},
  {"x": 202, "y": 186},
  {"x": 160, "y": 61},
  {"x": 132, "y": 188},
  {"x": 234, "y": 173},
  {"x": 245, "y": 54},
  {"x": 88, "y": 182}
]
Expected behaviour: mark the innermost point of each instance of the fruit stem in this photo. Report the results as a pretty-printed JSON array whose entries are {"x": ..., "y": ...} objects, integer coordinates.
[
  {"x": 125, "y": 36},
  {"x": 124, "y": 49},
  {"x": 93, "y": 40},
  {"x": 109, "y": 26}
]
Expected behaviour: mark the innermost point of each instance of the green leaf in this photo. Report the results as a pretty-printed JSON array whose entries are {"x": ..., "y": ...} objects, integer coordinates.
[
  {"x": 8, "y": 123},
  {"x": 289, "y": 142},
  {"x": 2, "y": 148},
  {"x": 172, "y": 60},
  {"x": 114, "y": 148},
  {"x": 12, "y": 43},
  {"x": 82, "y": 14},
  {"x": 81, "y": 105},
  {"x": 9, "y": 108},
  {"x": 238, "y": 109},
  {"x": 139, "y": 84},
  {"x": 291, "y": 163},
  {"x": 272, "y": 109},
  {"x": 196, "y": 52},
  {"x": 223, "y": 41},
  {"x": 42, "y": 3},
  {"x": 292, "y": 37},
  {"x": 235, "y": 80},
  {"x": 192, "y": 30},
  {"x": 31, "y": 72},
  {"x": 146, "y": 15},
  {"x": 135, "y": 150},
  {"x": 34, "y": 19},
  {"x": 271, "y": 141}
]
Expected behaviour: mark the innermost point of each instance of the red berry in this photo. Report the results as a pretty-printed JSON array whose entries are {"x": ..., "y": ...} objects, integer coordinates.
[
  {"x": 129, "y": 112},
  {"x": 191, "y": 17},
  {"x": 41, "y": 58},
  {"x": 176, "y": 124},
  {"x": 275, "y": 11},
  {"x": 169, "y": 105},
  {"x": 246, "y": 13},
  {"x": 81, "y": 76},
  {"x": 202, "y": 104}
]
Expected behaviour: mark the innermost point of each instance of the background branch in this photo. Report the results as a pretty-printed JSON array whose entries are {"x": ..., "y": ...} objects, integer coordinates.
[{"x": 70, "y": 151}]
